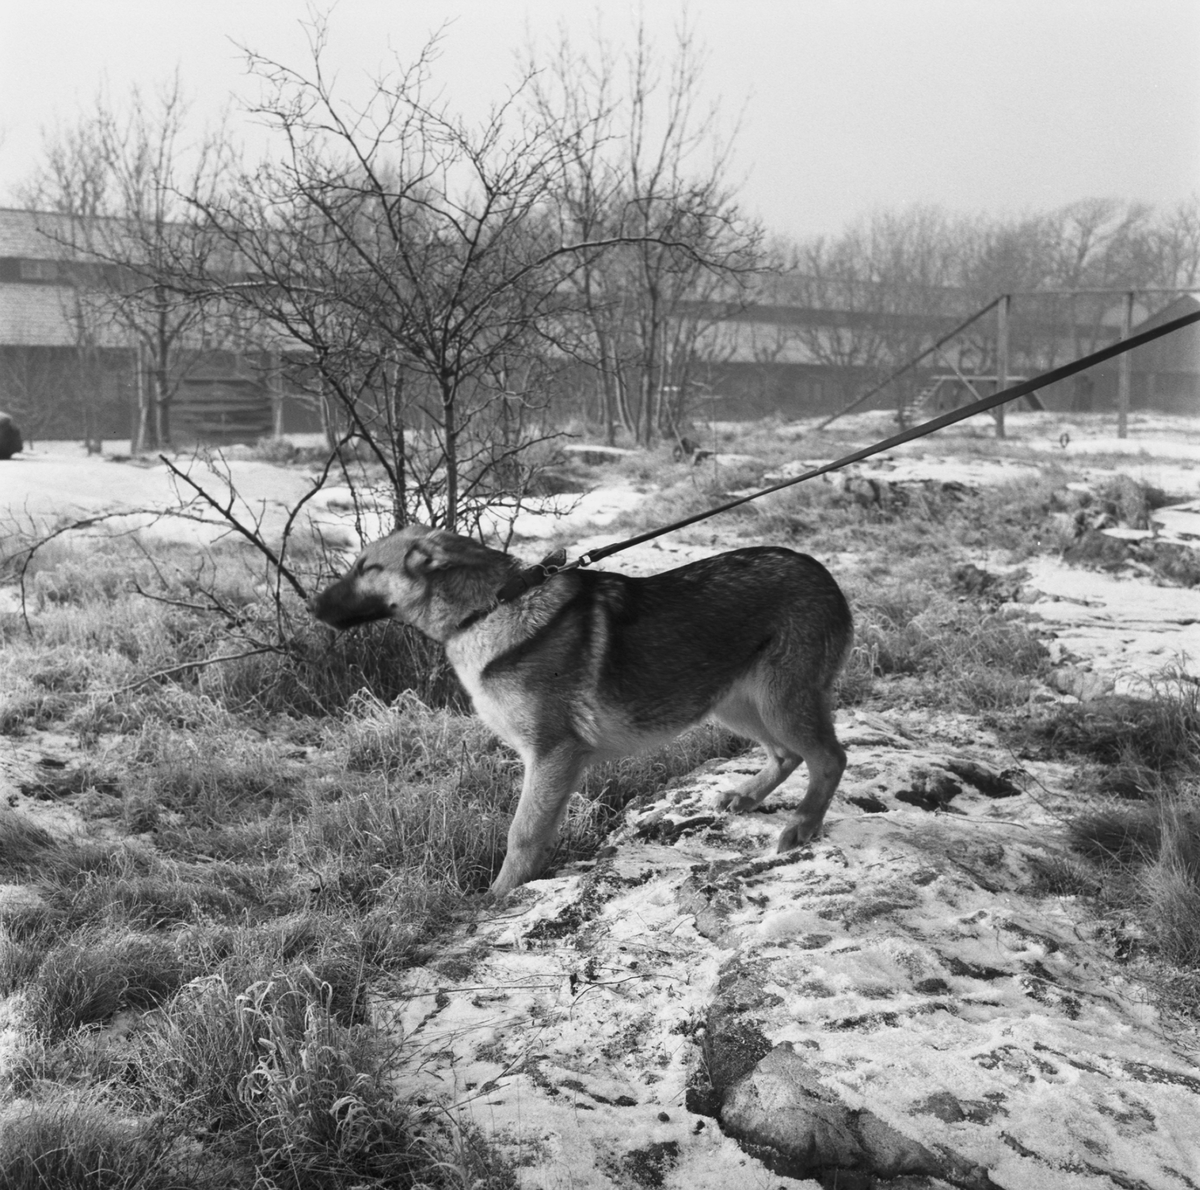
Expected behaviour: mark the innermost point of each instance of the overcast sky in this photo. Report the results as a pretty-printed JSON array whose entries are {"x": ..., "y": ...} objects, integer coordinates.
[{"x": 847, "y": 105}]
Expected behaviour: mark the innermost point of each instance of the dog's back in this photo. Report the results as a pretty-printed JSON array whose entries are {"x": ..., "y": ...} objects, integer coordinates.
[{"x": 679, "y": 641}]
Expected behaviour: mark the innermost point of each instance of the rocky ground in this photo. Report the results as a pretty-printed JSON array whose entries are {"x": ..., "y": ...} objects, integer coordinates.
[{"x": 899, "y": 1000}]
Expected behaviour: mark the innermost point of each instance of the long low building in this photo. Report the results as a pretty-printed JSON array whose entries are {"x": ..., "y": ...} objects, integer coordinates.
[{"x": 69, "y": 367}]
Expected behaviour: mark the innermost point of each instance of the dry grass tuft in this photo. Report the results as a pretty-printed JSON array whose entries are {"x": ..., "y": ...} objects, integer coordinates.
[
  {"x": 77, "y": 1143},
  {"x": 88, "y": 981},
  {"x": 1143, "y": 845}
]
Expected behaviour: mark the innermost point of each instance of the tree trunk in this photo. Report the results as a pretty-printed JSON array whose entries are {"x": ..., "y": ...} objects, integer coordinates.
[
  {"x": 623, "y": 411},
  {"x": 608, "y": 388},
  {"x": 162, "y": 408},
  {"x": 395, "y": 388},
  {"x": 275, "y": 389},
  {"x": 143, "y": 433},
  {"x": 450, "y": 431},
  {"x": 328, "y": 415}
]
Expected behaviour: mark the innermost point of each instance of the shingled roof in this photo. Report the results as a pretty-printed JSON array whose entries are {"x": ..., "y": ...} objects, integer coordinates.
[{"x": 44, "y": 316}]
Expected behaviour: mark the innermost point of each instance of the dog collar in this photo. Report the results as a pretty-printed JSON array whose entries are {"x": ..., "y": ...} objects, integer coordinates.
[
  {"x": 532, "y": 576},
  {"x": 522, "y": 581}
]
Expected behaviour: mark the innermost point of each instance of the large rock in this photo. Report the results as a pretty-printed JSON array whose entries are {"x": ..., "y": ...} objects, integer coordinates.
[{"x": 797, "y": 1126}]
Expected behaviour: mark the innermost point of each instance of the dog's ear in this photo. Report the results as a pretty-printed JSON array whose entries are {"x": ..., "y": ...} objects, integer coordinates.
[
  {"x": 444, "y": 551},
  {"x": 422, "y": 558}
]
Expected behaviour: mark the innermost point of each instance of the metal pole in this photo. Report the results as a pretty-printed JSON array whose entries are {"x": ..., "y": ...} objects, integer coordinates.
[
  {"x": 1124, "y": 371},
  {"x": 1001, "y": 356}
]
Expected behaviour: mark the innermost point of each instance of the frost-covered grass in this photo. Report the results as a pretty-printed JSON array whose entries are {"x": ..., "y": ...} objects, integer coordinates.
[{"x": 1139, "y": 839}]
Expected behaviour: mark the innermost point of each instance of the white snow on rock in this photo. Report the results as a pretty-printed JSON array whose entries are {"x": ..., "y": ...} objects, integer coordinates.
[
  {"x": 692, "y": 1010},
  {"x": 1179, "y": 522}
]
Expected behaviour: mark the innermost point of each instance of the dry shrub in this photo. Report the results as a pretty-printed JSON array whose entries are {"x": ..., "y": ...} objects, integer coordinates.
[{"x": 317, "y": 672}]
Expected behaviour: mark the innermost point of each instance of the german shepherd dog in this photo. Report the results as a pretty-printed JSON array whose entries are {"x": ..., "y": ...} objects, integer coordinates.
[{"x": 592, "y": 666}]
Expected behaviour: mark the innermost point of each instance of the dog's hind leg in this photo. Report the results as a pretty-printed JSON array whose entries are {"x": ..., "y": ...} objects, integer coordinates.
[
  {"x": 740, "y": 714},
  {"x": 550, "y": 779},
  {"x": 800, "y": 729},
  {"x": 826, "y": 761}
]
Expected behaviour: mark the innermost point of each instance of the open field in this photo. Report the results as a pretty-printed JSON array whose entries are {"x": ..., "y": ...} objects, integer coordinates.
[{"x": 237, "y": 852}]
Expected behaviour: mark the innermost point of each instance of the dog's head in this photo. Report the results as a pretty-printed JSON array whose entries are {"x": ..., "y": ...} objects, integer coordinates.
[{"x": 428, "y": 578}]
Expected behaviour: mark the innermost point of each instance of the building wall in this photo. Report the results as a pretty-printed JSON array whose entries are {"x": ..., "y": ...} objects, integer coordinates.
[{"x": 61, "y": 393}]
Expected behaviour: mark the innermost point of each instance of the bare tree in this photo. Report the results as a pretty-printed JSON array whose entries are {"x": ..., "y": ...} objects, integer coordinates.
[
  {"x": 1176, "y": 245},
  {"x": 641, "y": 162},
  {"x": 119, "y": 182},
  {"x": 407, "y": 260}
]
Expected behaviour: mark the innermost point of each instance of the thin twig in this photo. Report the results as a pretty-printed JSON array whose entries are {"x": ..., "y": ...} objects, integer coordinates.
[
  {"x": 69, "y": 527},
  {"x": 318, "y": 485},
  {"x": 251, "y": 535},
  {"x": 175, "y": 669}
]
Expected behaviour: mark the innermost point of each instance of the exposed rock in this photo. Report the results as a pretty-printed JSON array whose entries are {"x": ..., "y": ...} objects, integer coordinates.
[
  {"x": 796, "y": 1126},
  {"x": 888, "y": 1005}
]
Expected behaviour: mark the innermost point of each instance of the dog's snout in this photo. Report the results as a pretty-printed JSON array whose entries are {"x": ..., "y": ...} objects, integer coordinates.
[{"x": 343, "y": 605}]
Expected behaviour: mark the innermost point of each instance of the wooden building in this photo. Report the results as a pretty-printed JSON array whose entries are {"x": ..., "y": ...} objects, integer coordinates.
[{"x": 70, "y": 369}]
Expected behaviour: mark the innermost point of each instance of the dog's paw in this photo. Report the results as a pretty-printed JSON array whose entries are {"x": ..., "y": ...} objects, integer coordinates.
[
  {"x": 797, "y": 834},
  {"x": 739, "y": 803}
]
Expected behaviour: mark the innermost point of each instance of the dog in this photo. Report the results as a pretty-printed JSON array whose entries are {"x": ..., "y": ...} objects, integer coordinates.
[{"x": 592, "y": 666}]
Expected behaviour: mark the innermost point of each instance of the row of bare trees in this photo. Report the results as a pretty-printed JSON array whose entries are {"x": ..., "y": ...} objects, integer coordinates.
[
  {"x": 890, "y": 272},
  {"x": 428, "y": 279},
  {"x": 116, "y": 189},
  {"x": 650, "y": 180}
]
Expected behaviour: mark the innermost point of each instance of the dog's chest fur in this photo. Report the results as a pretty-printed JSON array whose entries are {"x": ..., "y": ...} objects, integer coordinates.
[{"x": 534, "y": 673}]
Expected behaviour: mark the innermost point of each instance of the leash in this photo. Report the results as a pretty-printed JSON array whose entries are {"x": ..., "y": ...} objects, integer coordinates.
[{"x": 556, "y": 562}]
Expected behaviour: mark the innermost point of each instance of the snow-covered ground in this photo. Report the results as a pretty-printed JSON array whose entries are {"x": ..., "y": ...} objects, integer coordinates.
[{"x": 892, "y": 1000}]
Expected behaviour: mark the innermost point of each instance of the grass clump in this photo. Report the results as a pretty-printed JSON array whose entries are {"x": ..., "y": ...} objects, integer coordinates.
[
  {"x": 74, "y": 1143},
  {"x": 1142, "y": 841},
  {"x": 945, "y": 651},
  {"x": 274, "y": 1073},
  {"x": 264, "y": 1085},
  {"x": 1139, "y": 745},
  {"x": 88, "y": 982}
]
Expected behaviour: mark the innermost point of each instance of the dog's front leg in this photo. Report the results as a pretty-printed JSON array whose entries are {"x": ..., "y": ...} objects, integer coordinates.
[{"x": 550, "y": 779}]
